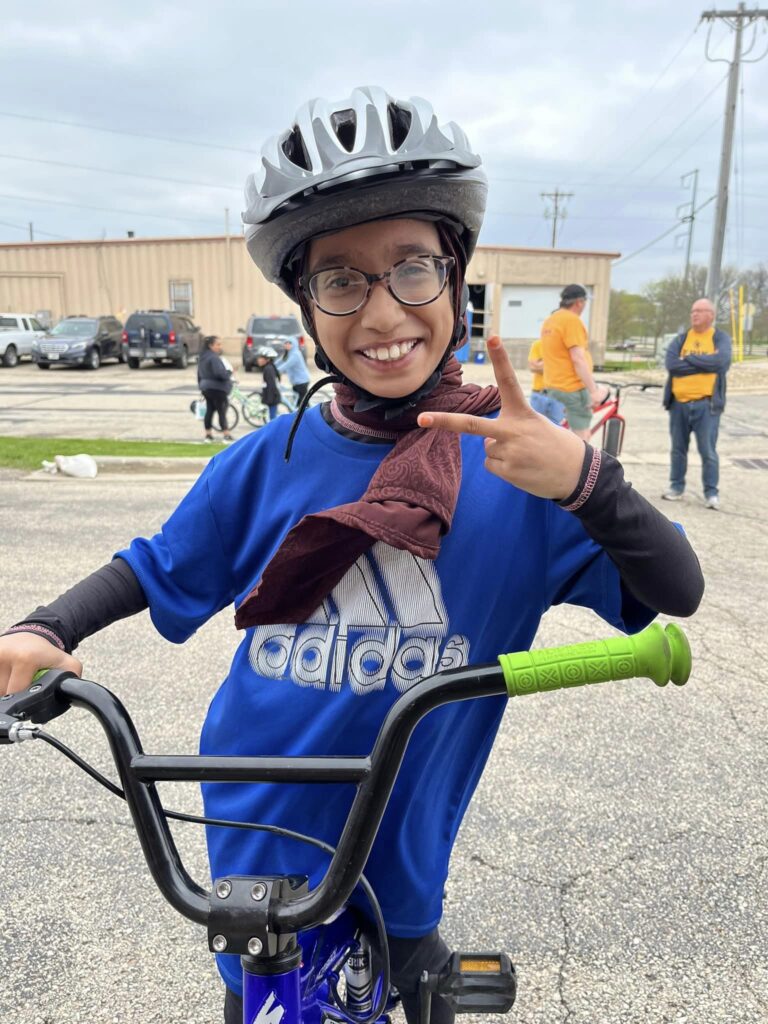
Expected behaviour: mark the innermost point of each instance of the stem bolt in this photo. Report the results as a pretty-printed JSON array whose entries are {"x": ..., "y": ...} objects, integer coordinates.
[
  {"x": 255, "y": 946},
  {"x": 219, "y": 944},
  {"x": 223, "y": 889},
  {"x": 259, "y": 891}
]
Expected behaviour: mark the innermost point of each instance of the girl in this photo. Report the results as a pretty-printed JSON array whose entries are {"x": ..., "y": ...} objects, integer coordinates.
[{"x": 419, "y": 524}]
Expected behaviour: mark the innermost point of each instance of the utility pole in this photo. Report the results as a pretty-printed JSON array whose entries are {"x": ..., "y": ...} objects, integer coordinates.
[
  {"x": 737, "y": 20},
  {"x": 31, "y": 232},
  {"x": 554, "y": 213},
  {"x": 688, "y": 218}
]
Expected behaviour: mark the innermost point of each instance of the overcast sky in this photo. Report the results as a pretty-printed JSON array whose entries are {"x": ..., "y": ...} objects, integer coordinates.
[{"x": 611, "y": 102}]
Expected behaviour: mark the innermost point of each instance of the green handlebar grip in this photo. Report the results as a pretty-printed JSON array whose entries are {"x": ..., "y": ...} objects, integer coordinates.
[{"x": 654, "y": 653}]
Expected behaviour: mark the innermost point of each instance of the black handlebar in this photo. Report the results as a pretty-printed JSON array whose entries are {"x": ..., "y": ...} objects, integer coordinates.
[{"x": 375, "y": 777}]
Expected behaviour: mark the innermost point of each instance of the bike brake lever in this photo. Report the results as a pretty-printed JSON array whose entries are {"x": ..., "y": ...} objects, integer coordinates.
[{"x": 41, "y": 700}]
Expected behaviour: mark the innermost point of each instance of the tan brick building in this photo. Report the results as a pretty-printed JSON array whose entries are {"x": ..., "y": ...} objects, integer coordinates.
[{"x": 213, "y": 279}]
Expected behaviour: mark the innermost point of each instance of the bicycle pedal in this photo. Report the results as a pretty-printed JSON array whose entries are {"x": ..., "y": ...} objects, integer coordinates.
[{"x": 475, "y": 983}]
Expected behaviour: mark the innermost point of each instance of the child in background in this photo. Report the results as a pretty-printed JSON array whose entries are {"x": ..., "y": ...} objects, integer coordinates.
[{"x": 270, "y": 393}]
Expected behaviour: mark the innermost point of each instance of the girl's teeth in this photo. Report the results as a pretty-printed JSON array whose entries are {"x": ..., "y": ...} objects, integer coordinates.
[{"x": 395, "y": 351}]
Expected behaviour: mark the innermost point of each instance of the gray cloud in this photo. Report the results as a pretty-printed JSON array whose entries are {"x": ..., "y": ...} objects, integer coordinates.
[{"x": 565, "y": 95}]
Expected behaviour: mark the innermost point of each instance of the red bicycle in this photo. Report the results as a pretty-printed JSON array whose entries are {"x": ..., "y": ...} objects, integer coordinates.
[{"x": 611, "y": 422}]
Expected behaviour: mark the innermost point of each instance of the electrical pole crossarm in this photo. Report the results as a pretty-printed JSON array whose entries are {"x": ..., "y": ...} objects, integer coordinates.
[{"x": 750, "y": 14}]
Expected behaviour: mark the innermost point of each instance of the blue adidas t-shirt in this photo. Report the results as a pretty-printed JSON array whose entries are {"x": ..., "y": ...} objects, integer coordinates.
[{"x": 323, "y": 686}]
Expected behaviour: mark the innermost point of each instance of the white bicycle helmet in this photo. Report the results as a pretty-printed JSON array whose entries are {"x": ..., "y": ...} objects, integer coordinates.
[
  {"x": 266, "y": 351},
  {"x": 355, "y": 160}
]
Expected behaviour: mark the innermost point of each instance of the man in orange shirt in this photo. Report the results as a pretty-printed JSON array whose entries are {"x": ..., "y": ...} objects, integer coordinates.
[
  {"x": 567, "y": 362},
  {"x": 697, "y": 362}
]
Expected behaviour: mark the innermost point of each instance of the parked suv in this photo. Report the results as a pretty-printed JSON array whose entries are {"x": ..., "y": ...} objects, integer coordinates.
[
  {"x": 269, "y": 330},
  {"x": 80, "y": 341},
  {"x": 18, "y": 332},
  {"x": 161, "y": 335}
]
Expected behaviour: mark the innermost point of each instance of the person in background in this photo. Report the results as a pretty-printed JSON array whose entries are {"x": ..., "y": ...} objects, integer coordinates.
[
  {"x": 270, "y": 393},
  {"x": 567, "y": 362},
  {"x": 540, "y": 399},
  {"x": 214, "y": 378},
  {"x": 294, "y": 364},
  {"x": 697, "y": 362}
]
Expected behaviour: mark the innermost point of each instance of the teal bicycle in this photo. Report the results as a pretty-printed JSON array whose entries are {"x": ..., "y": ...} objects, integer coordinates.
[{"x": 253, "y": 409}]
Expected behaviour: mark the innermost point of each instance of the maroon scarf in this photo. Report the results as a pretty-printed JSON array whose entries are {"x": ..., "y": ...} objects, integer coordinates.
[{"x": 409, "y": 504}]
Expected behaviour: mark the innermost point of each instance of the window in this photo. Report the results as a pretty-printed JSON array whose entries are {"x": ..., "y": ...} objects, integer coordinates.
[
  {"x": 181, "y": 296},
  {"x": 36, "y": 325},
  {"x": 8, "y": 323}
]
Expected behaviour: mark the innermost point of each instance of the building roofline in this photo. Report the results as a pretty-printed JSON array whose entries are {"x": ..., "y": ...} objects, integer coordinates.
[
  {"x": 185, "y": 239},
  {"x": 551, "y": 252}
]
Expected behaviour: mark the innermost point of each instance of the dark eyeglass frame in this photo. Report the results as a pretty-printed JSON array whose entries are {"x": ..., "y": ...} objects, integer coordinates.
[{"x": 447, "y": 262}]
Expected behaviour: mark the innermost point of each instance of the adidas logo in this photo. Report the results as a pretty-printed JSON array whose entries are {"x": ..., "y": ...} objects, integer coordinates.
[{"x": 385, "y": 622}]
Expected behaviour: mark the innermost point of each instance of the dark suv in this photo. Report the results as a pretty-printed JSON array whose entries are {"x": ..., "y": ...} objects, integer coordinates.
[
  {"x": 80, "y": 341},
  {"x": 269, "y": 330},
  {"x": 161, "y": 335}
]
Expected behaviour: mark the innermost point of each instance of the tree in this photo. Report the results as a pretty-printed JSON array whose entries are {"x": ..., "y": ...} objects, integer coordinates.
[
  {"x": 627, "y": 316},
  {"x": 673, "y": 296},
  {"x": 667, "y": 302}
]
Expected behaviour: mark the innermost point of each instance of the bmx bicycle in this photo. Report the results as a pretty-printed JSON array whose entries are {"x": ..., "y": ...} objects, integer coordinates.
[{"x": 261, "y": 918}]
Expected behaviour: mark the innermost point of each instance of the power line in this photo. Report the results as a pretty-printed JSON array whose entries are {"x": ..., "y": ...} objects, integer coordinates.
[
  {"x": 676, "y": 129},
  {"x": 673, "y": 161},
  {"x": 626, "y": 116},
  {"x": 582, "y": 184},
  {"x": 25, "y": 228},
  {"x": 664, "y": 234},
  {"x": 125, "y": 174},
  {"x": 108, "y": 209},
  {"x": 123, "y": 131}
]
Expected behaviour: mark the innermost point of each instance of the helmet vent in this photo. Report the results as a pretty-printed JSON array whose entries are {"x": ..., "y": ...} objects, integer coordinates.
[
  {"x": 344, "y": 124},
  {"x": 399, "y": 124},
  {"x": 295, "y": 150}
]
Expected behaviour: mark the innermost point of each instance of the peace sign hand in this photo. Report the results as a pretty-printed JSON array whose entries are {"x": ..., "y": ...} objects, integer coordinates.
[{"x": 521, "y": 446}]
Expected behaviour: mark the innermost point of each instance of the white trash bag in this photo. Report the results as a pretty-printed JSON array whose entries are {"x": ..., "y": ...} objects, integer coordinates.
[{"x": 83, "y": 466}]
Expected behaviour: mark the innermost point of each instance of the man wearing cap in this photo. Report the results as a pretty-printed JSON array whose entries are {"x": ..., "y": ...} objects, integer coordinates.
[
  {"x": 697, "y": 362},
  {"x": 567, "y": 361}
]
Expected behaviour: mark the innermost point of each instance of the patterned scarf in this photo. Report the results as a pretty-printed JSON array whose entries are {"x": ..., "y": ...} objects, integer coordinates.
[{"x": 408, "y": 504}]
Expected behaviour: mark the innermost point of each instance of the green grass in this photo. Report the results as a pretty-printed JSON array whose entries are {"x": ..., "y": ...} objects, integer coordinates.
[
  {"x": 627, "y": 364},
  {"x": 29, "y": 452}
]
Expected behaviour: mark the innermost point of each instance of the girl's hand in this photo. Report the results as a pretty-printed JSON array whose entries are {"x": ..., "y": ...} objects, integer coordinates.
[
  {"x": 24, "y": 654},
  {"x": 521, "y": 447}
]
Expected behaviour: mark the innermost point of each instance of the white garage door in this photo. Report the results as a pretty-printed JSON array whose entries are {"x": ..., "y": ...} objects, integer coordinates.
[{"x": 525, "y": 307}]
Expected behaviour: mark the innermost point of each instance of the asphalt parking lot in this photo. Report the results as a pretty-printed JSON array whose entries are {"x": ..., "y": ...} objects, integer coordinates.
[{"x": 616, "y": 847}]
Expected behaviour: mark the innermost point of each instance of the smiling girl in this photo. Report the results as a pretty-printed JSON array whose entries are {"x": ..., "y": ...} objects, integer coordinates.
[{"x": 420, "y": 523}]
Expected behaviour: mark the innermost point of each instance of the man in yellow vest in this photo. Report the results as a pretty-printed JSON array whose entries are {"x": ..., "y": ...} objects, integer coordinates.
[
  {"x": 697, "y": 362},
  {"x": 567, "y": 361}
]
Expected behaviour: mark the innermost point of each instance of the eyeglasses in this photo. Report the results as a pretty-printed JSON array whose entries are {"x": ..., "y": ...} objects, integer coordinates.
[{"x": 414, "y": 281}]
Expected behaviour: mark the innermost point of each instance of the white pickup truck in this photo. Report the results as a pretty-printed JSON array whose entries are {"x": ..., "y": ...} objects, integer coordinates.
[{"x": 18, "y": 331}]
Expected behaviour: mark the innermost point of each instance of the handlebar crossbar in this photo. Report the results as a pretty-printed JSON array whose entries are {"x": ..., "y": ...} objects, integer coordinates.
[{"x": 655, "y": 653}]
